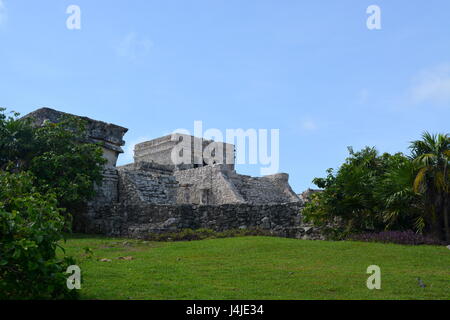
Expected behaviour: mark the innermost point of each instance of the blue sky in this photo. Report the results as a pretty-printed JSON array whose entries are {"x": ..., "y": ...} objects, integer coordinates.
[{"x": 309, "y": 68}]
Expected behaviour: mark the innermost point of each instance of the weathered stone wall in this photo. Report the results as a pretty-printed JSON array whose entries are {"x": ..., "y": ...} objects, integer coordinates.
[
  {"x": 268, "y": 189},
  {"x": 206, "y": 185},
  {"x": 217, "y": 184},
  {"x": 146, "y": 197},
  {"x": 280, "y": 219},
  {"x": 147, "y": 186},
  {"x": 156, "y": 150},
  {"x": 107, "y": 191},
  {"x": 107, "y": 194},
  {"x": 138, "y": 220}
]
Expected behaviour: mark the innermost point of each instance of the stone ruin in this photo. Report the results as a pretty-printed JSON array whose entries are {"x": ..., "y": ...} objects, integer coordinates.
[{"x": 155, "y": 195}]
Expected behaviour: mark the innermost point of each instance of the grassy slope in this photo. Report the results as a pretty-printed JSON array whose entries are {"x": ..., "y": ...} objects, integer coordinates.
[{"x": 258, "y": 268}]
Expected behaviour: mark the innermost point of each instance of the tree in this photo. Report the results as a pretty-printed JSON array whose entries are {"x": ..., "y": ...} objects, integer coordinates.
[
  {"x": 401, "y": 207},
  {"x": 30, "y": 230},
  {"x": 432, "y": 156},
  {"x": 349, "y": 195},
  {"x": 369, "y": 192},
  {"x": 17, "y": 143},
  {"x": 372, "y": 192},
  {"x": 57, "y": 154},
  {"x": 65, "y": 163},
  {"x": 46, "y": 173}
]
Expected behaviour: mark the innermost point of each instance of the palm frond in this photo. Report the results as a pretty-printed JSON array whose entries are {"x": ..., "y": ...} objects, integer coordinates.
[
  {"x": 419, "y": 181},
  {"x": 419, "y": 224}
]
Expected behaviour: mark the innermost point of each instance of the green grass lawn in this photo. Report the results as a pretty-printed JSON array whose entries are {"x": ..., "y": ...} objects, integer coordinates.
[{"x": 257, "y": 268}]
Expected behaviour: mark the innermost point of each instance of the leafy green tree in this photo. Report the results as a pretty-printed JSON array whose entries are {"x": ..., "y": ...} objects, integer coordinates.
[
  {"x": 400, "y": 205},
  {"x": 372, "y": 192},
  {"x": 46, "y": 172},
  {"x": 58, "y": 154},
  {"x": 17, "y": 144},
  {"x": 66, "y": 164},
  {"x": 369, "y": 192},
  {"x": 432, "y": 156},
  {"x": 348, "y": 195},
  {"x": 30, "y": 228}
]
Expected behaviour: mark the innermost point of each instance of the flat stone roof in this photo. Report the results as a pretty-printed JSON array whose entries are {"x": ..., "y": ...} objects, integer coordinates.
[{"x": 108, "y": 134}]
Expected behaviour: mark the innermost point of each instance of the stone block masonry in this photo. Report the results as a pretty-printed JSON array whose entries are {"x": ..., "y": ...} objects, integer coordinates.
[
  {"x": 138, "y": 220},
  {"x": 206, "y": 186}
]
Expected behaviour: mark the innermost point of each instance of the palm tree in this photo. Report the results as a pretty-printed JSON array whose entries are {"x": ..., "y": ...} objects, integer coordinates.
[
  {"x": 432, "y": 156},
  {"x": 402, "y": 207}
]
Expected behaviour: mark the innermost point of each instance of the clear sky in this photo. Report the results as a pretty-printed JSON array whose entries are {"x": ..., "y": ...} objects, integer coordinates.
[{"x": 309, "y": 68}]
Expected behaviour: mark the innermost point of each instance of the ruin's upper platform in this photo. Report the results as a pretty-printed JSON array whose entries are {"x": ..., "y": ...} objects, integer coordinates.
[
  {"x": 108, "y": 134},
  {"x": 197, "y": 151}
]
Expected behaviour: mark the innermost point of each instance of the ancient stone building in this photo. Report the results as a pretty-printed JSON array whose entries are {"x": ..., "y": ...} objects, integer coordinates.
[
  {"x": 108, "y": 135},
  {"x": 159, "y": 193},
  {"x": 206, "y": 177},
  {"x": 194, "y": 152}
]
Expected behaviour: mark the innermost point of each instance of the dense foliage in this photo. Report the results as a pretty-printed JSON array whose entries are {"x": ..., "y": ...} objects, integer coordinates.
[
  {"x": 56, "y": 154},
  {"x": 30, "y": 228},
  {"x": 47, "y": 173},
  {"x": 432, "y": 181},
  {"x": 372, "y": 192}
]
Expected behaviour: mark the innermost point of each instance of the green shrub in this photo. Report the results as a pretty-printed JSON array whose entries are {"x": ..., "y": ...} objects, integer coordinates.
[
  {"x": 42, "y": 168},
  {"x": 30, "y": 227},
  {"x": 368, "y": 193}
]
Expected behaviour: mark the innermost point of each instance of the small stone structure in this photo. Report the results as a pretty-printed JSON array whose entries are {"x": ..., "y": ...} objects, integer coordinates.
[
  {"x": 154, "y": 194},
  {"x": 108, "y": 135},
  {"x": 199, "y": 152}
]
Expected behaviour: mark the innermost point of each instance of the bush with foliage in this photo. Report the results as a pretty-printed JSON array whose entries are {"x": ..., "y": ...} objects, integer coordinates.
[
  {"x": 372, "y": 192},
  {"x": 353, "y": 195},
  {"x": 47, "y": 173},
  {"x": 30, "y": 228}
]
